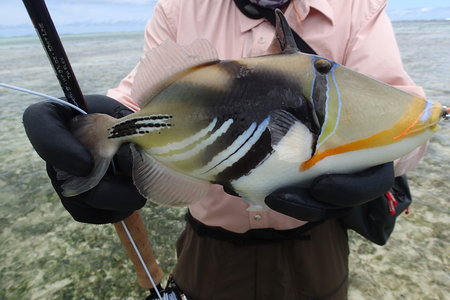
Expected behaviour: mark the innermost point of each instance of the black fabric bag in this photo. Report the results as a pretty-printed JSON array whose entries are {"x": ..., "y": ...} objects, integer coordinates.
[{"x": 373, "y": 220}]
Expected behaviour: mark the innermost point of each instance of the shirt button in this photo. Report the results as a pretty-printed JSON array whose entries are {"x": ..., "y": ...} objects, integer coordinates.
[
  {"x": 261, "y": 40},
  {"x": 257, "y": 217}
]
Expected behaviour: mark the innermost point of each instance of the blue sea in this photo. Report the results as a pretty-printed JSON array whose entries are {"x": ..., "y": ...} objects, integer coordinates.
[{"x": 46, "y": 255}]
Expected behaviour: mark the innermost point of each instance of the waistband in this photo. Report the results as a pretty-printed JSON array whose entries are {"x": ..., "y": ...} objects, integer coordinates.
[{"x": 251, "y": 237}]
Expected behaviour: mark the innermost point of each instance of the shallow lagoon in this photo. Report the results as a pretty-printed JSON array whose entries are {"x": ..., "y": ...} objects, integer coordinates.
[{"x": 46, "y": 255}]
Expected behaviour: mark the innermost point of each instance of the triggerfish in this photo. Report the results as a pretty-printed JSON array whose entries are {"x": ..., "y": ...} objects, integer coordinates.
[{"x": 252, "y": 125}]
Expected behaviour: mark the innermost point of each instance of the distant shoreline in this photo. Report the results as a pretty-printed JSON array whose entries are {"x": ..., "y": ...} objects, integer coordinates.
[
  {"x": 33, "y": 34},
  {"x": 28, "y": 31}
]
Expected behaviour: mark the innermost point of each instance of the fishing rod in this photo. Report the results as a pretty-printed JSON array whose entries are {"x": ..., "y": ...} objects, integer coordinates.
[
  {"x": 135, "y": 237},
  {"x": 42, "y": 22}
]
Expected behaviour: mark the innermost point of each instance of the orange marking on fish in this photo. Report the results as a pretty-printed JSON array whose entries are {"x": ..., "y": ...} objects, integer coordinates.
[
  {"x": 404, "y": 127},
  {"x": 405, "y": 132}
]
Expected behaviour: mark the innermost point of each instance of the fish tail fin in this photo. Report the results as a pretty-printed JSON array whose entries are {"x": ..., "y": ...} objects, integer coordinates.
[{"x": 92, "y": 131}]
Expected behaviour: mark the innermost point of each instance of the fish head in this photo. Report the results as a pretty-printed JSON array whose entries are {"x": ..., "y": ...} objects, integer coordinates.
[{"x": 353, "y": 112}]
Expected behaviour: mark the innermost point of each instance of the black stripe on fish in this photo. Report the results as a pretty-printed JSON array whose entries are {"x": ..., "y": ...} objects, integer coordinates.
[
  {"x": 257, "y": 154},
  {"x": 319, "y": 93},
  {"x": 223, "y": 141},
  {"x": 234, "y": 152},
  {"x": 319, "y": 96},
  {"x": 271, "y": 90},
  {"x": 139, "y": 126}
]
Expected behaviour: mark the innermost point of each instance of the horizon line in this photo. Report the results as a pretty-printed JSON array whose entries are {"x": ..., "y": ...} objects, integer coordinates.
[{"x": 115, "y": 27}]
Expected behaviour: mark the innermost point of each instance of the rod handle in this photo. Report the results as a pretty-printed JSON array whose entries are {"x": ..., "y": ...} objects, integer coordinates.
[{"x": 136, "y": 228}]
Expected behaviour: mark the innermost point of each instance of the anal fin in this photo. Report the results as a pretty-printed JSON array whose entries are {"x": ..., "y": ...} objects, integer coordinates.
[{"x": 163, "y": 185}]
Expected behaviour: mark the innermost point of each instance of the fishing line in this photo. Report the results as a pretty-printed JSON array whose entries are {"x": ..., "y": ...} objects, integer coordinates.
[
  {"x": 140, "y": 258},
  {"x": 12, "y": 87}
]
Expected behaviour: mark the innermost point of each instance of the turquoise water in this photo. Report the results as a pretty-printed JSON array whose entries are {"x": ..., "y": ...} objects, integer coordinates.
[{"x": 46, "y": 255}]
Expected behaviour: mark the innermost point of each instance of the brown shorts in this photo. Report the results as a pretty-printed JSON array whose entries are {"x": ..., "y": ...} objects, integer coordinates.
[{"x": 211, "y": 269}]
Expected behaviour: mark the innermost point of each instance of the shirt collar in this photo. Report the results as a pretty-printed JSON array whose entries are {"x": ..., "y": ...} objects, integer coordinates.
[
  {"x": 303, "y": 8},
  {"x": 247, "y": 23}
]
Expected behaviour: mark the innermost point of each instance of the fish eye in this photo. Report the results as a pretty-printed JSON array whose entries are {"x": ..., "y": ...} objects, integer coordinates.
[{"x": 323, "y": 66}]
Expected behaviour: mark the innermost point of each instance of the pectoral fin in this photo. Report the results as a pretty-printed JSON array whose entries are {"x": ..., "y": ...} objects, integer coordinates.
[{"x": 280, "y": 123}]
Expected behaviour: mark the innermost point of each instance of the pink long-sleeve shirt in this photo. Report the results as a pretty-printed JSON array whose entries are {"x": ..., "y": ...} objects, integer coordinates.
[{"x": 357, "y": 34}]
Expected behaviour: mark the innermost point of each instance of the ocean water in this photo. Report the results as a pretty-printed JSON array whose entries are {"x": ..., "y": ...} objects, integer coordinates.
[{"x": 44, "y": 254}]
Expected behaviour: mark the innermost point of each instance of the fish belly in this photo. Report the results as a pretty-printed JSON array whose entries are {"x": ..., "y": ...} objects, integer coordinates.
[{"x": 280, "y": 171}]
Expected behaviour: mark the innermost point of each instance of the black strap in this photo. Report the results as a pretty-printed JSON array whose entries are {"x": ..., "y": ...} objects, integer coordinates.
[{"x": 256, "y": 12}]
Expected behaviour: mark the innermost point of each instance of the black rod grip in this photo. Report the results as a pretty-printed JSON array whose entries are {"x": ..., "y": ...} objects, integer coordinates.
[{"x": 42, "y": 22}]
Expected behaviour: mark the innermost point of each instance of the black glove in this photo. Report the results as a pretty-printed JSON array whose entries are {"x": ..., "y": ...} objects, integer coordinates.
[
  {"x": 332, "y": 195},
  {"x": 172, "y": 291},
  {"x": 115, "y": 197}
]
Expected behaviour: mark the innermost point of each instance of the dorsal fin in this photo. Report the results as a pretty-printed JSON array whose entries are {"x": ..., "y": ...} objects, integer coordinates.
[
  {"x": 158, "y": 66},
  {"x": 284, "y": 34}
]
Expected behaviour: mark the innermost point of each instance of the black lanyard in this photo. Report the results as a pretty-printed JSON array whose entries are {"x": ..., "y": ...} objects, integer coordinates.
[{"x": 256, "y": 12}]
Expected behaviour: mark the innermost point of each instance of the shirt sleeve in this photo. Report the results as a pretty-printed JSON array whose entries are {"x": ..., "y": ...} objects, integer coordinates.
[
  {"x": 158, "y": 29},
  {"x": 373, "y": 50}
]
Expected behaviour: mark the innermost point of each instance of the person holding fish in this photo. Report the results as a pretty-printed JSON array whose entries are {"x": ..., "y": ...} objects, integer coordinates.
[{"x": 276, "y": 152}]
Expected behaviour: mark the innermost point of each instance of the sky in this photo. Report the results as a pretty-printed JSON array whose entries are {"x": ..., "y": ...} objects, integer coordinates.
[{"x": 78, "y": 16}]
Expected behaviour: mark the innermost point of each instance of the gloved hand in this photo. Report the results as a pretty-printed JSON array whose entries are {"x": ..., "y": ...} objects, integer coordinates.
[
  {"x": 154, "y": 295},
  {"x": 172, "y": 291},
  {"x": 115, "y": 197},
  {"x": 332, "y": 195}
]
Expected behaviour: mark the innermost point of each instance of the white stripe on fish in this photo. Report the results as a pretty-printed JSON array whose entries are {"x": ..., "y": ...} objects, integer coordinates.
[
  {"x": 180, "y": 145},
  {"x": 234, "y": 152},
  {"x": 199, "y": 147}
]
